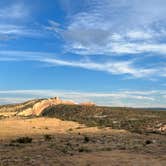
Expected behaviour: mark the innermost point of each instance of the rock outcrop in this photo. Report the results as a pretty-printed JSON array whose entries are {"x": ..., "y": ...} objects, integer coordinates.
[
  {"x": 35, "y": 107},
  {"x": 41, "y": 105}
]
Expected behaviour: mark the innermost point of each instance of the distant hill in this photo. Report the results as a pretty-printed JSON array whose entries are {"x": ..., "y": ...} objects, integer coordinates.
[
  {"x": 155, "y": 108},
  {"x": 132, "y": 119},
  {"x": 33, "y": 107}
]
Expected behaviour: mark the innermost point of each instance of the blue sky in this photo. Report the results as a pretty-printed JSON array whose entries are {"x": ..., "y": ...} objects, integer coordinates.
[{"x": 112, "y": 52}]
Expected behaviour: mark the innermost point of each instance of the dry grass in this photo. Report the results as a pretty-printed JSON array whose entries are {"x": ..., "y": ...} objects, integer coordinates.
[
  {"x": 75, "y": 144},
  {"x": 14, "y": 127}
]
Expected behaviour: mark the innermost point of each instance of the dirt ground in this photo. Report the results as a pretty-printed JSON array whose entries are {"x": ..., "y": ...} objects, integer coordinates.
[{"x": 66, "y": 143}]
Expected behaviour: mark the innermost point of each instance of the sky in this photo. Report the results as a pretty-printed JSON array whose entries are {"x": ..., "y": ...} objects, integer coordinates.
[{"x": 111, "y": 52}]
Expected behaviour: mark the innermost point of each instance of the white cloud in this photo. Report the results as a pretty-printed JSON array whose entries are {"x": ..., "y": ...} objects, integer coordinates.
[
  {"x": 139, "y": 35},
  {"x": 137, "y": 48},
  {"x": 117, "y": 28},
  {"x": 112, "y": 27},
  {"x": 13, "y": 22},
  {"x": 11, "y": 30},
  {"x": 113, "y": 67},
  {"x": 106, "y": 27},
  {"x": 13, "y": 11}
]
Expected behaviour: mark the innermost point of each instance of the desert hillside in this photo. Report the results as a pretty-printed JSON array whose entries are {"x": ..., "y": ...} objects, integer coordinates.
[
  {"x": 56, "y": 132},
  {"x": 132, "y": 119}
]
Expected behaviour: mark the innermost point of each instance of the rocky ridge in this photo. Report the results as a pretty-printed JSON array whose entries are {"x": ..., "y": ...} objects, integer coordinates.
[
  {"x": 41, "y": 105},
  {"x": 35, "y": 107}
]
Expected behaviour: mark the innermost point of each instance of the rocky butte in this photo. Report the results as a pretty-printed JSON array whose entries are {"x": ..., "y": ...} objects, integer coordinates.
[{"x": 38, "y": 107}]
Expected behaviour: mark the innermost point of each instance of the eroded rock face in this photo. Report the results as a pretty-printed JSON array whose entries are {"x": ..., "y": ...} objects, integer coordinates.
[
  {"x": 40, "y": 106},
  {"x": 26, "y": 112}
]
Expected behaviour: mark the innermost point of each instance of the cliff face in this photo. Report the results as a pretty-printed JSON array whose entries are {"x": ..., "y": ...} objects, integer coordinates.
[{"x": 41, "y": 105}]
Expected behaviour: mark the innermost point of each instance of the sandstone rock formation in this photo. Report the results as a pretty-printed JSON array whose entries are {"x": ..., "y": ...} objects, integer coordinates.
[
  {"x": 41, "y": 105},
  {"x": 35, "y": 107}
]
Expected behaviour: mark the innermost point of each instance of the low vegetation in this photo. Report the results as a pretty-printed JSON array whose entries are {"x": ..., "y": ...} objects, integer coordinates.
[
  {"x": 134, "y": 120},
  {"x": 22, "y": 140},
  {"x": 47, "y": 137},
  {"x": 64, "y": 142}
]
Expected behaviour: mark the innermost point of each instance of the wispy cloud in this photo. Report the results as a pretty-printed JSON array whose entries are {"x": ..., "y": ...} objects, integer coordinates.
[
  {"x": 131, "y": 27},
  {"x": 114, "y": 98},
  {"x": 112, "y": 67},
  {"x": 88, "y": 32},
  {"x": 13, "y": 21},
  {"x": 115, "y": 67},
  {"x": 116, "y": 29},
  {"x": 11, "y": 31},
  {"x": 119, "y": 37},
  {"x": 13, "y": 11}
]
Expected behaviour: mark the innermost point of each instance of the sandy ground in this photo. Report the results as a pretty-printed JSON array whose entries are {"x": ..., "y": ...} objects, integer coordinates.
[
  {"x": 14, "y": 127},
  {"x": 75, "y": 144}
]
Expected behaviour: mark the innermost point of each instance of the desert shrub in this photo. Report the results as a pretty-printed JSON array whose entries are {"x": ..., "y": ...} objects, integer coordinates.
[
  {"x": 47, "y": 137},
  {"x": 147, "y": 142},
  {"x": 86, "y": 139},
  {"x": 106, "y": 149},
  {"x": 64, "y": 150},
  {"x": 22, "y": 140},
  {"x": 84, "y": 149}
]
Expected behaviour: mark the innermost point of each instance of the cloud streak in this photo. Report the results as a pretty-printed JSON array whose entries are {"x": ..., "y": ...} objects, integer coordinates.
[
  {"x": 114, "y": 98},
  {"x": 111, "y": 66}
]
